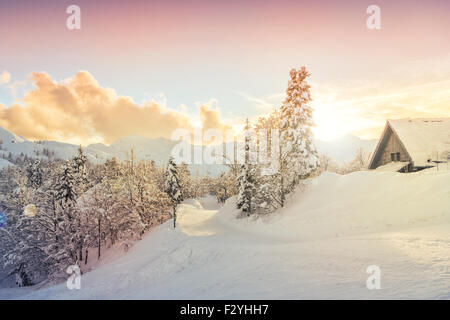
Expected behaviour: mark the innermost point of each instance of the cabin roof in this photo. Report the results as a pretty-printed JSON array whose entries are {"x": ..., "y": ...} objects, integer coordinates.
[
  {"x": 393, "y": 166},
  {"x": 423, "y": 138}
]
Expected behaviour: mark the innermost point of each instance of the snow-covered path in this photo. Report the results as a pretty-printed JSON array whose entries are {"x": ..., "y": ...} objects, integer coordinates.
[{"x": 212, "y": 255}]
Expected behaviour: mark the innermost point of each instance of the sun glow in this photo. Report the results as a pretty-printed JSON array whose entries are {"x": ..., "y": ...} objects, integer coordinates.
[{"x": 330, "y": 123}]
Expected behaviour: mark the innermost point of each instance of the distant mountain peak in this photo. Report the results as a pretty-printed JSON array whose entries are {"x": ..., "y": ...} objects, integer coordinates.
[{"x": 7, "y": 136}]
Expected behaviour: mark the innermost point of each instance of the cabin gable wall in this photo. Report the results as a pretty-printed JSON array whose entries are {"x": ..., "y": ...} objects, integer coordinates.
[{"x": 392, "y": 145}]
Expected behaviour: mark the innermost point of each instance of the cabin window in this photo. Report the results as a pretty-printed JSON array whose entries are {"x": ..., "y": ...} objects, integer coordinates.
[{"x": 395, "y": 156}]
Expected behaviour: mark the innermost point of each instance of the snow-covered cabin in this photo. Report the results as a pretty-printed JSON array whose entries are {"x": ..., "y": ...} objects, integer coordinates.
[{"x": 413, "y": 144}]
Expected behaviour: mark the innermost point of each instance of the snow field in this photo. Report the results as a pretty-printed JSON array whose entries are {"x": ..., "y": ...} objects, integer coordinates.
[{"x": 318, "y": 247}]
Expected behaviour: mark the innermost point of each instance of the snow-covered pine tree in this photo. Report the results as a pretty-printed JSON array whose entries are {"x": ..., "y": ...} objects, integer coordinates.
[
  {"x": 65, "y": 185},
  {"x": 22, "y": 238},
  {"x": 80, "y": 171},
  {"x": 268, "y": 195},
  {"x": 82, "y": 185},
  {"x": 225, "y": 185},
  {"x": 298, "y": 157},
  {"x": 68, "y": 232},
  {"x": 246, "y": 178},
  {"x": 111, "y": 169},
  {"x": 246, "y": 187},
  {"x": 186, "y": 181},
  {"x": 172, "y": 186},
  {"x": 34, "y": 174}
]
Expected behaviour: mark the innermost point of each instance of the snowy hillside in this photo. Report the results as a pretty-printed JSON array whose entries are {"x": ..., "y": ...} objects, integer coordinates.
[
  {"x": 144, "y": 148},
  {"x": 319, "y": 246},
  {"x": 159, "y": 150},
  {"x": 341, "y": 149},
  {"x": 5, "y": 163},
  {"x": 15, "y": 146}
]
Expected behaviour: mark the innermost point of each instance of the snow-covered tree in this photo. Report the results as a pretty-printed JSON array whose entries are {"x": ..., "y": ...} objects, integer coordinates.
[
  {"x": 74, "y": 214},
  {"x": 288, "y": 155},
  {"x": 246, "y": 178},
  {"x": 80, "y": 172},
  {"x": 360, "y": 162},
  {"x": 70, "y": 230},
  {"x": 22, "y": 237},
  {"x": 151, "y": 200},
  {"x": 65, "y": 186},
  {"x": 34, "y": 174},
  {"x": 326, "y": 163},
  {"x": 247, "y": 189},
  {"x": 225, "y": 185},
  {"x": 298, "y": 157},
  {"x": 172, "y": 185},
  {"x": 187, "y": 182},
  {"x": 268, "y": 187}
]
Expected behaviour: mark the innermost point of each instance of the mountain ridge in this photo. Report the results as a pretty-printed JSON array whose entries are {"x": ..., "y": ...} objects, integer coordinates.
[{"x": 157, "y": 149}]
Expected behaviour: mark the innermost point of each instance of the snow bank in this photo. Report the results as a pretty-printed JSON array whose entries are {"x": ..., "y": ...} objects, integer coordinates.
[
  {"x": 362, "y": 202},
  {"x": 193, "y": 202},
  {"x": 318, "y": 247},
  {"x": 393, "y": 166}
]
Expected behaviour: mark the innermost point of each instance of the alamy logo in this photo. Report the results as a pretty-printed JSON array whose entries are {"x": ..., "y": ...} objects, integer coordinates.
[
  {"x": 74, "y": 281},
  {"x": 374, "y": 20},
  {"x": 374, "y": 280},
  {"x": 74, "y": 20},
  {"x": 256, "y": 147}
]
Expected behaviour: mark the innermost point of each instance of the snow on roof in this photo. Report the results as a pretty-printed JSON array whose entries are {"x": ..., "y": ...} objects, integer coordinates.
[
  {"x": 424, "y": 139},
  {"x": 392, "y": 166}
]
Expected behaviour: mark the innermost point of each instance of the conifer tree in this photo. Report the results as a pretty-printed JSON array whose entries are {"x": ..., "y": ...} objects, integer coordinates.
[
  {"x": 34, "y": 174},
  {"x": 65, "y": 186},
  {"x": 298, "y": 157},
  {"x": 80, "y": 171},
  {"x": 246, "y": 178},
  {"x": 172, "y": 186}
]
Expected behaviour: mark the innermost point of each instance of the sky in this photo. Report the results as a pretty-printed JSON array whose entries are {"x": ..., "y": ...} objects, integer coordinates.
[{"x": 150, "y": 67}]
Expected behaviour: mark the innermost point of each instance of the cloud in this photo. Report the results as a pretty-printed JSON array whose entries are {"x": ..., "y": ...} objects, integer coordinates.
[
  {"x": 210, "y": 118},
  {"x": 263, "y": 103},
  {"x": 79, "y": 110},
  {"x": 17, "y": 86},
  {"x": 5, "y": 77},
  {"x": 415, "y": 90},
  {"x": 364, "y": 111}
]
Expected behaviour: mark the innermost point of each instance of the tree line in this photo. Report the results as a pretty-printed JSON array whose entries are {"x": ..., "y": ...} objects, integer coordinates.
[
  {"x": 260, "y": 191},
  {"x": 83, "y": 207}
]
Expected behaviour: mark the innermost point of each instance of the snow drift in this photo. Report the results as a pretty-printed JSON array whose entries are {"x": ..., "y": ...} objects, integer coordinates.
[
  {"x": 357, "y": 203},
  {"x": 319, "y": 246}
]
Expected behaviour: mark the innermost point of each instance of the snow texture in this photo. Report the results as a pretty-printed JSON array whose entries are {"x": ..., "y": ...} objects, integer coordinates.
[
  {"x": 318, "y": 246},
  {"x": 424, "y": 139},
  {"x": 393, "y": 166}
]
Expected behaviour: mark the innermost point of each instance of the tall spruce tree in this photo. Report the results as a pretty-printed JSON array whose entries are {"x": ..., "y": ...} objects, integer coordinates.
[
  {"x": 80, "y": 171},
  {"x": 34, "y": 174},
  {"x": 172, "y": 187},
  {"x": 246, "y": 185},
  {"x": 246, "y": 178},
  {"x": 68, "y": 225},
  {"x": 65, "y": 186},
  {"x": 298, "y": 157}
]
